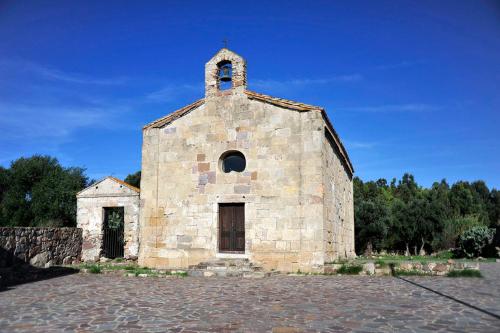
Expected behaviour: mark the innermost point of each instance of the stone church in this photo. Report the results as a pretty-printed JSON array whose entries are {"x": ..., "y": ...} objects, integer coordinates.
[
  {"x": 236, "y": 174},
  {"x": 239, "y": 174}
]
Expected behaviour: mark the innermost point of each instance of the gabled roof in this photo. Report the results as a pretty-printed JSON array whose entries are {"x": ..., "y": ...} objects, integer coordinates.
[
  {"x": 284, "y": 103},
  {"x": 119, "y": 181},
  {"x": 305, "y": 107},
  {"x": 174, "y": 115},
  {"x": 133, "y": 188}
]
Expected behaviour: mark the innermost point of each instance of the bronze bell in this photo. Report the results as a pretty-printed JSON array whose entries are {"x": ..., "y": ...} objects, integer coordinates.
[{"x": 225, "y": 73}]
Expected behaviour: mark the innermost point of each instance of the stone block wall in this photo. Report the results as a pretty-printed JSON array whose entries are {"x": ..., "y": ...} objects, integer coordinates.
[
  {"x": 338, "y": 208},
  {"x": 40, "y": 247},
  {"x": 239, "y": 76},
  {"x": 292, "y": 221},
  {"x": 282, "y": 186}
]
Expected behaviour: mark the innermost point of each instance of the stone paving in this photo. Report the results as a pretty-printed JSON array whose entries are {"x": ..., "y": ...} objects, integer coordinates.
[{"x": 84, "y": 303}]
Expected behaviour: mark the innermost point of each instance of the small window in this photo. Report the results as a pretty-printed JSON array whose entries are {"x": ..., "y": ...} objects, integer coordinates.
[{"x": 233, "y": 161}]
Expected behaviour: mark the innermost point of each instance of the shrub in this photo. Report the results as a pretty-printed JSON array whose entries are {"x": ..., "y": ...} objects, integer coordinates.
[
  {"x": 444, "y": 255},
  {"x": 473, "y": 242},
  {"x": 94, "y": 269},
  {"x": 350, "y": 269},
  {"x": 465, "y": 273},
  {"x": 452, "y": 229}
]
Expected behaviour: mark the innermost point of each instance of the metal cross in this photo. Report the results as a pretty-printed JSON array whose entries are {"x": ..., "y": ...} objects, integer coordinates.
[{"x": 225, "y": 42}]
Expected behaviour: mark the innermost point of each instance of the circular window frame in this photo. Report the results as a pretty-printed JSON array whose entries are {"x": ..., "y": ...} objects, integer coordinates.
[{"x": 226, "y": 154}]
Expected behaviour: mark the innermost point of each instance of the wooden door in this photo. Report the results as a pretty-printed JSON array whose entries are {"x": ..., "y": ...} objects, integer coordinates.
[{"x": 232, "y": 227}]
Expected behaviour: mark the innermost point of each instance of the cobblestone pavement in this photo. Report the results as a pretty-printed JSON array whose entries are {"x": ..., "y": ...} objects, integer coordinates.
[
  {"x": 483, "y": 293},
  {"x": 279, "y": 304}
]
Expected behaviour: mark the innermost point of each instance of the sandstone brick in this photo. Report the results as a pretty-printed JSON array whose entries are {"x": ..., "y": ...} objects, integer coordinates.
[
  {"x": 296, "y": 191},
  {"x": 202, "y": 167},
  {"x": 90, "y": 207}
]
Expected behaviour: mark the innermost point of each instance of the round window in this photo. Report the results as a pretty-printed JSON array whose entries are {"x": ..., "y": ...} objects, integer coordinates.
[{"x": 233, "y": 161}]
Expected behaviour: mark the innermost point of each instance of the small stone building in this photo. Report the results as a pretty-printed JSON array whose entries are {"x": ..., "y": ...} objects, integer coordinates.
[
  {"x": 239, "y": 174},
  {"x": 108, "y": 214}
]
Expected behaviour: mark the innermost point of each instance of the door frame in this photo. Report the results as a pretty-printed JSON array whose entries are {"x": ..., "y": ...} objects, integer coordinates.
[
  {"x": 219, "y": 227},
  {"x": 120, "y": 252}
]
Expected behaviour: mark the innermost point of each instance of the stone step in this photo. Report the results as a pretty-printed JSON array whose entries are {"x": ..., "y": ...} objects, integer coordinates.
[
  {"x": 223, "y": 263},
  {"x": 226, "y": 267}
]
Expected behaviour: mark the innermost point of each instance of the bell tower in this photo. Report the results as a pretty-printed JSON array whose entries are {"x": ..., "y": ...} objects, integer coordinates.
[{"x": 225, "y": 74}]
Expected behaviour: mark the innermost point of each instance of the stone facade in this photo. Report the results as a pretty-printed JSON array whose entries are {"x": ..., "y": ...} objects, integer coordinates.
[
  {"x": 338, "y": 207},
  {"x": 39, "y": 247},
  {"x": 296, "y": 187},
  {"x": 109, "y": 192}
]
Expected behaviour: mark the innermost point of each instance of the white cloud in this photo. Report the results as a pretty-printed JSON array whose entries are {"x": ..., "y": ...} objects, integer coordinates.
[
  {"x": 32, "y": 122},
  {"x": 280, "y": 84},
  {"x": 57, "y": 75},
  {"x": 172, "y": 92},
  {"x": 402, "y": 64},
  {"x": 359, "y": 145},
  {"x": 392, "y": 108}
]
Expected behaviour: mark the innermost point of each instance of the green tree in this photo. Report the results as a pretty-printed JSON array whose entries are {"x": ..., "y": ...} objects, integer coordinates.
[
  {"x": 465, "y": 200},
  {"x": 402, "y": 216},
  {"x": 452, "y": 228},
  {"x": 494, "y": 208},
  {"x": 4, "y": 176},
  {"x": 371, "y": 223},
  {"x": 372, "y": 214},
  {"x": 40, "y": 192},
  {"x": 134, "y": 179}
]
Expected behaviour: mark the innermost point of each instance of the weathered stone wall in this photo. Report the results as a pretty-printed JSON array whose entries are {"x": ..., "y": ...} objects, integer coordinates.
[
  {"x": 281, "y": 186},
  {"x": 239, "y": 73},
  {"x": 40, "y": 247},
  {"x": 338, "y": 206},
  {"x": 90, "y": 217}
]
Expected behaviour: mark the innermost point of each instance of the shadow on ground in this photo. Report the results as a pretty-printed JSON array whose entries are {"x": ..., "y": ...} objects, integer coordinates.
[{"x": 14, "y": 271}]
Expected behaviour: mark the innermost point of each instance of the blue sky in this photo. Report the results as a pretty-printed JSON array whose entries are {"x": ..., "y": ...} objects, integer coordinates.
[{"x": 411, "y": 86}]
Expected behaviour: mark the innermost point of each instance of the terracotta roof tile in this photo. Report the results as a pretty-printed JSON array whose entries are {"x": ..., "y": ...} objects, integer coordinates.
[
  {"x": 282, "y": 102},
  {"x": 174, "y": 115},
  {"x": 119, "y": 181},
  {"x": 133, "y": 188}
]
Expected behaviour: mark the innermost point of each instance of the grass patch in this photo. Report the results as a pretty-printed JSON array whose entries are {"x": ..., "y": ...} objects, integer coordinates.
[
  {"x": 143, "y": 270},
  {"x": 471, "y": 273},
  {"x": 339, "y": 261},
  {"x": 381, "y": 263},
  {"x": 441, "y": 257},
  {"x": 118, "y": 267},
  {"x": 444, "y": 255},
  {"x": 350, "y": 269},
  {"x": 94, "y": 269},
  {"x": 130, "y": 269},
  {"x": 152, "y": 272}
]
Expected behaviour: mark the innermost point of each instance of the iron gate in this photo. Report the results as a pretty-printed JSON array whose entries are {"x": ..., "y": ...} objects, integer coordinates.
[{"x": 113, "y": 240}]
